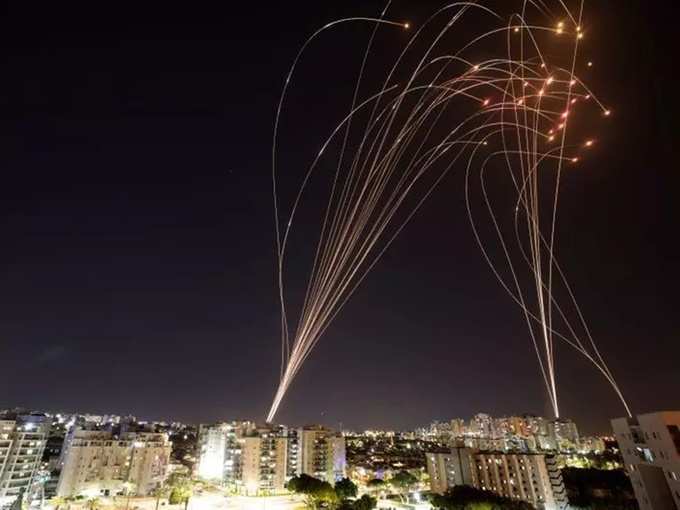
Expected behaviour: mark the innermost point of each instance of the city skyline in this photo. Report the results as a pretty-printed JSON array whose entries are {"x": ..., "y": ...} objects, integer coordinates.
[{"x": 139, "y": 244}]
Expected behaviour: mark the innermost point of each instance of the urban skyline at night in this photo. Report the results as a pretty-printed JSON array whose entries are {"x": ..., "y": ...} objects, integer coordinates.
[
  {"x": 140, "y": 264},
  {"x": 376, "y": 255}
]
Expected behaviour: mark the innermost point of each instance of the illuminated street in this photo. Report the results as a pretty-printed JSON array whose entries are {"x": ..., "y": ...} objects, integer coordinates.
[{"x": 212, "y": 501}]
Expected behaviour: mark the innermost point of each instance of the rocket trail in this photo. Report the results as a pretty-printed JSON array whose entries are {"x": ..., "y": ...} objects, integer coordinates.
[{"x": 440, "y": 108}]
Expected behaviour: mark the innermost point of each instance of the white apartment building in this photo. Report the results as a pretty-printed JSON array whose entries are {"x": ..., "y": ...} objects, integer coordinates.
[
  {"x": 22, "y": 442},
  {"x": 533, "y": 478},
  {"x": 263, "y": 464},
  {"x": 253, "y": 460},
  {"x": 321, "y": 453},
  {"x": 650, "y": 446},
  {"x": 247, "y": 459},
  {"x": 98, "y": 463}
]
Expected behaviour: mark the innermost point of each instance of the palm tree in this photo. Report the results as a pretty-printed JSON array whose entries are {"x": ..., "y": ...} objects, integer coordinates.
[
  {"x": 161, "y": 492},
  {"x": 57, "y": 502},
  {"x": 93, "y": 504},
  {"x": 129, "y": 488}
]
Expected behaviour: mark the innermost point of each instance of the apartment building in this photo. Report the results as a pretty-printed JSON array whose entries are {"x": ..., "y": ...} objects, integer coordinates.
[
  {"x": 101, "y": 463},
  {"x": 22, "y": 442},
  {"x": 650, "y": 447},
  {"x": 533, "y": 478}
]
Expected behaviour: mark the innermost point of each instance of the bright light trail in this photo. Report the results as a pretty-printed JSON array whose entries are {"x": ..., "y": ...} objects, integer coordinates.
[{"x": 439, "y": 109}]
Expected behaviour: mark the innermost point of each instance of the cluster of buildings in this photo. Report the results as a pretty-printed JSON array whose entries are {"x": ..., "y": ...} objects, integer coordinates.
[
  {"x": 516, "y": 457},
  {"x": 100, "y": 456},
  {"x": 252, "y": 459},
  {"x": 43, "y": 456},
  {"x": 526, "y": 433}
]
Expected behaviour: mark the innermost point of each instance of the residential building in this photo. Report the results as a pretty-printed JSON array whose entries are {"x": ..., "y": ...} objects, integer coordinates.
[
  {"x": 250, "y": 459},
  {"x": 533, "y": 478},
  {"x": 565, "y": 434},
  {"x": 245, "y": 458},
  {"x": 22, "y": 442},
  {"x": 321, "y": 453},
  {"x": 650, "y": 447},
  {"x": 263, "y": 463},
  {"x": 101, "y": 463}
]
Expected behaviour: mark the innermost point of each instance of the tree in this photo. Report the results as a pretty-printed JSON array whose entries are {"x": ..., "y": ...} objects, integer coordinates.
[
  {"x": 346, "y": 489},
  {"x": 316, "y": 492},
  {"x": 365, "y": 502},
  {"x": 181, "y": 489},
  {"x": 376, "y": 485},
  {"x": 403, "y": 481},
  {"x": 161, "y": 492},
  {"x": 57, "y": 502},
  {"x": 463, "y": 497},
  {"x": 93, "y": 504}
]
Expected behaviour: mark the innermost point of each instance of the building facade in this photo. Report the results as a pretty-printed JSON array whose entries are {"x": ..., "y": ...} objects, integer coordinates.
[
  {"x": 321, "y": 453},
  {"x": 22, "y": 442},
  {"x": 259, "y": 460},
  {"x": 533, "y": 478},
  {"x": 99, "y": 463},
  {"x": 650, "y": 447}
]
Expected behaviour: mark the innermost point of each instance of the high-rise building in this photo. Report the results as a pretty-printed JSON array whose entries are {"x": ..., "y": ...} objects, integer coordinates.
[
  {"x": 321, "y": 453},
  {"x": 263, "y": 463},
  {"x": 481, "y": 425},
  {"x": 534, "y": 478},
  {"x": 565, "y": 434},
  {"x": 212, "y": 448},
  {"x": 650, "y": 447},
  {"x": 220, "y": 451},
  {"x": 245, "y": 458},
  {"x": 458, "y": 428},
  {"x": 22, "y": 442},
  {"x": 253, "y": 460},
  {"x": 100, "y": 463}
]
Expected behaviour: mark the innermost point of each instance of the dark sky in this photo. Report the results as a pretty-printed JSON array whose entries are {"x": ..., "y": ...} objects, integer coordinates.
[{"x": 137, "y": 260}]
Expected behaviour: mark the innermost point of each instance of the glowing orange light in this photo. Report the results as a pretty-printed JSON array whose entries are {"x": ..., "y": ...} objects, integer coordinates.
[
  {"x": 589, "y": 143},
  {"x": 574, "y": 160},
  {"x": 475, "y": 68},
  {"x": 551, "y": 131},
  {"x": 542, "y": 66},
  {"x": 516, "y": 29},
  {"x": 551, "y": 138},
  {"x": 486, "y": 102},
  {"x": 573, "y": 101},
  {"x": 607, "y": 113},
  {"x": 407, "y": 26},
  {"x": 541, "y": 92},
  {"x": 549, "y": 80},
  {"x": 579, "y": 35},
  {"x": 564, "y": 115},
  {"x": 572, "y": 83},
  {"x": 526, "y": 83},
  {"x": 590, "y": 64},
  {"x": 520, "y": 101},
  {"x": 587, "y": 96}
]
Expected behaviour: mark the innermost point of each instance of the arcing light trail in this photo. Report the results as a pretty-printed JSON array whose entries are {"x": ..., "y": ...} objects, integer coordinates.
[{"x": 438, "y": 109}]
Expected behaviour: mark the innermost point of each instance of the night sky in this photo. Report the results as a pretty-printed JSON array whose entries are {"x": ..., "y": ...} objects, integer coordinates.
[{"x": 137, "y": 269}]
